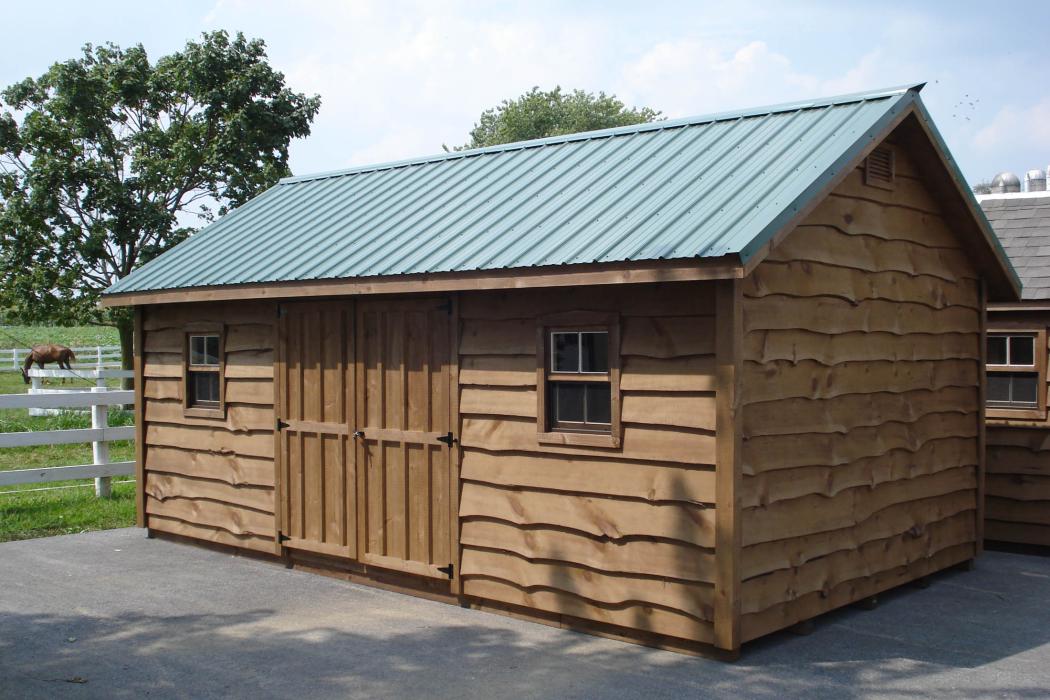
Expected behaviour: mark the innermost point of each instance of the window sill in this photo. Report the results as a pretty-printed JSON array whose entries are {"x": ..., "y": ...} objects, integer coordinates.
[
  {"x": 1016, "y": 413},
  {"x": 560, "y": 437},
  {"x": 199, "y": 412}
]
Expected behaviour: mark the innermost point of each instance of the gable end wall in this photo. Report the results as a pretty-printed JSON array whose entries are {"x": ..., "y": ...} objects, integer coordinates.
[{"x": 861, "y": 393}]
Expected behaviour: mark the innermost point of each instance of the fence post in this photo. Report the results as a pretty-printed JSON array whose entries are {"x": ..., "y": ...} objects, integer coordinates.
[
  {"x": 100, "y": 448},
  {"x": 98, "y": 355}
]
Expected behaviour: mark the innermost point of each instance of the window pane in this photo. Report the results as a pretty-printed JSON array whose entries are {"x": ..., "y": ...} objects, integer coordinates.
[
  {"x": 204, "y": 387},
  {"x": 196, "y": 349},
  {"x": 595, "y": 352},
  {"x": 211, "y": 350},
  {"x": 565, "y": 352},
  {"x": 204, "y": 350},
  {"x": 1024, "y": 388},
  {"x": 568, "y": 398},
  {"x": 996, "y": 350},
  {"x": 1022, "y": 350},
  {"x": 998, "y": 387},
  {"x": 599, "y": 403}
]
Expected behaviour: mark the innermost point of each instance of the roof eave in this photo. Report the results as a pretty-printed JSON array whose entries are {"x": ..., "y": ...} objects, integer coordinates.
[
  {"x": 1003, "y": 282},
  {"x": 756, "y": 251},
  {"x": 631, "y": 272}
]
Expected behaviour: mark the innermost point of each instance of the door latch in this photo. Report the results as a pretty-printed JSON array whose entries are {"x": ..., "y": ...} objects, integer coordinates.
[
  {"x": 281, "y": 425},
  {"x": 448, "y": 439},
  {"x": 447, "y": 570}
]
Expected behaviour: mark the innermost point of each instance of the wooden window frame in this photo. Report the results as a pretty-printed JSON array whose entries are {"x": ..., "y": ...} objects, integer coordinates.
[
  {"x": 195, "y": 411},
  {"x": 582, "y": 321},
  {"x": 1038, "y": 368}
]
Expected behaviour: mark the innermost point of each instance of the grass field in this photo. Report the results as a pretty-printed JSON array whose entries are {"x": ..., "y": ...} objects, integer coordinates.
[
  {"x": 70, "y": 336},
  {"x": 73, "y": 507}
]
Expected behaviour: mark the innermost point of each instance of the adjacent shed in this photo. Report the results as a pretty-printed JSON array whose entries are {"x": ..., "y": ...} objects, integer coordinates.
[
  {"x": 1018, "y": 481},
  {"x": 683, "y": 383}
]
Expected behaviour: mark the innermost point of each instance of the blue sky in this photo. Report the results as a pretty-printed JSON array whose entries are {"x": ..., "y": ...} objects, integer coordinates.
[{"x": 398, "y": 79}]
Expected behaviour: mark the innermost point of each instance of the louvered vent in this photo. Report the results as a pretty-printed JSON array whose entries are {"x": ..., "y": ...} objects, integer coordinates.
[{"x": 878, "y": 168}]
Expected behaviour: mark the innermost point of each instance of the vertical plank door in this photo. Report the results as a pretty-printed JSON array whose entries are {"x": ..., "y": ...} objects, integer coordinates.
[
  {"x": 403, "y": 447},
  {"x": 314, "y": 408}
]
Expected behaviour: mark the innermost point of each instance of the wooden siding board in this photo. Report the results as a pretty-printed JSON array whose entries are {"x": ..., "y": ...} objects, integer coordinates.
[
  {"x": 209, "y": 478},
  {"x": 862, "y": 416},
  {"x": 1017, "y": 462},
  {"x": 619, "y": 535}
]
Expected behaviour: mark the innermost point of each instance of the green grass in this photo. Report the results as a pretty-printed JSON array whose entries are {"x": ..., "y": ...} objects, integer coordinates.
[
  {"x": 67, "y": 511},
  {"x": 74, "y": 508},
  {"x": 70, "y": 336}
]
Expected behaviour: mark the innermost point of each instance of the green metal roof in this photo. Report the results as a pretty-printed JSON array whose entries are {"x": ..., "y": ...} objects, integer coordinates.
[{"x": 701, "y": 187}]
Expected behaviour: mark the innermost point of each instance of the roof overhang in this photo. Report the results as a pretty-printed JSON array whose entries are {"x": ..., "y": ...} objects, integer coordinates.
[
  {"x": 1026, "y": 305},
  {"x": 915, "y": 128},
  {"x": 645, "y": 272}
]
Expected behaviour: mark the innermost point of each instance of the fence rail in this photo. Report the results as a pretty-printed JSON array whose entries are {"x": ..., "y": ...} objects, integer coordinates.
[
  {"x": 100, "y": 434},
  {"x": 97, "y": 356}
]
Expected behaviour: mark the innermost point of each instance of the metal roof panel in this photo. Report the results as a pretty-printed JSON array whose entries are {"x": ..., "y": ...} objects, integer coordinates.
[{"x": 690, "y": 188}]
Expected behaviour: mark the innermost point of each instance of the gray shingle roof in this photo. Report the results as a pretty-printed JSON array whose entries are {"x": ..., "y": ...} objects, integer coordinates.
[{"x": 1023, "y": 227}]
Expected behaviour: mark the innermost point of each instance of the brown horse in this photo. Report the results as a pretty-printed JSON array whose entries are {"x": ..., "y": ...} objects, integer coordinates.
[{"x": 42, "y": 354}]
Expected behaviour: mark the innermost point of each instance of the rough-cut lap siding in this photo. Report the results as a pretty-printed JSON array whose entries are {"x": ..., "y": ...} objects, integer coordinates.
[
  {"x": 211, "y": 478},
  {"x": 1017, "y": 483},
  {"x": 622, "y": 536},
  {"x": 861, "y": 405}
]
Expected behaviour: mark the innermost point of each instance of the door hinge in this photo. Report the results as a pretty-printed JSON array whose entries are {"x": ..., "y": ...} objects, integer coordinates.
[
  {"x": 447, "y": 570},
  {"x": 448, "y": 439},
  {"x": 281, "y": 424},
  {"x": 280, "y": 311},
  {"x": 446, "y": 306},
  {"x": 282, "y": 538}
]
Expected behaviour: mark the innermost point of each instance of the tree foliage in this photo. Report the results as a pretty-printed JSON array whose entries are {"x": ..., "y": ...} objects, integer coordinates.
[
  {"x": 538, "y": 114},
  {"x": 108, "y": 159}
]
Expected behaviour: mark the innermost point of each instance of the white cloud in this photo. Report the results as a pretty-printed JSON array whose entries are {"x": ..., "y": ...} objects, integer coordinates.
[
  {"x": 687, "y": 77},
  {"x": 1012, "y": 126},
  {"x": 398, "y": 79}
]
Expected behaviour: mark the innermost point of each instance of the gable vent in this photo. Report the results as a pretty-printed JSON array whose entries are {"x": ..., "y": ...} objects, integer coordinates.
[{"x": 878, "y": 168}]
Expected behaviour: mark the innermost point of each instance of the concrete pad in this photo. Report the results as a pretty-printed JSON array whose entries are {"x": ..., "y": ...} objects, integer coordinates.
[{"x": 114, "y": 615}]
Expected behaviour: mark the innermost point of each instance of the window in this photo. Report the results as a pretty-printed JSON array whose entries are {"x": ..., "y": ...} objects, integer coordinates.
[
  {"x": 1016, "y": 373},
  {"x": 579, "y": 377},
  {"x": 204, "y": 374}
]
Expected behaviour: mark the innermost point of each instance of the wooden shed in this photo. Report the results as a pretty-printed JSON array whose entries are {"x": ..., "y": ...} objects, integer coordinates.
[
  {"x": 684, "y": 383},
  {"x": 1018, "y": 480}
]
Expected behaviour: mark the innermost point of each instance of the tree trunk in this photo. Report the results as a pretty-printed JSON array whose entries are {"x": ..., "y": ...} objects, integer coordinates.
[{"x": 126, "y": 328}]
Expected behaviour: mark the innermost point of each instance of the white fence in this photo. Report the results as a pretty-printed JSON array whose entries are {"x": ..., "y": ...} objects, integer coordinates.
[
  {"x": 100, "y": 434},
  {"x": 99, "y": 376},
  {"x": 97, "y": 356}
]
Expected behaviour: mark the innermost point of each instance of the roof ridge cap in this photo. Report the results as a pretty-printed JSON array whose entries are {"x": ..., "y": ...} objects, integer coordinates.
[{"x": 711, "y": 118}]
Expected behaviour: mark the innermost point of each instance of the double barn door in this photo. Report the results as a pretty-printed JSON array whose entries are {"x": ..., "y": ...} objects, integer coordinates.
[{"x": 364, "y": 399}]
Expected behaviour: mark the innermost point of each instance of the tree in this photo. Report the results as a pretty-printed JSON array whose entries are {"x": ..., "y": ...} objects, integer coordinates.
[
  {"x": 538, "y": 114},
  {"x": 107, "y": 160}
]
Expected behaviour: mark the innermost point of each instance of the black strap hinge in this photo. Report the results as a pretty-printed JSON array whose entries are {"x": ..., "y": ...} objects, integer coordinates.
[
  {"x": 447, "y": 570},
  {"x": 281, "y": 537},
  {"x": 448, "y": 439},
  {"x": 281, "y": 424}
]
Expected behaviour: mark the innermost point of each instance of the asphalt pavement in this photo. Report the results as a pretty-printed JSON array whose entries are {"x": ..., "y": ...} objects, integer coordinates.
[{"x": 114, "y": 615}]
